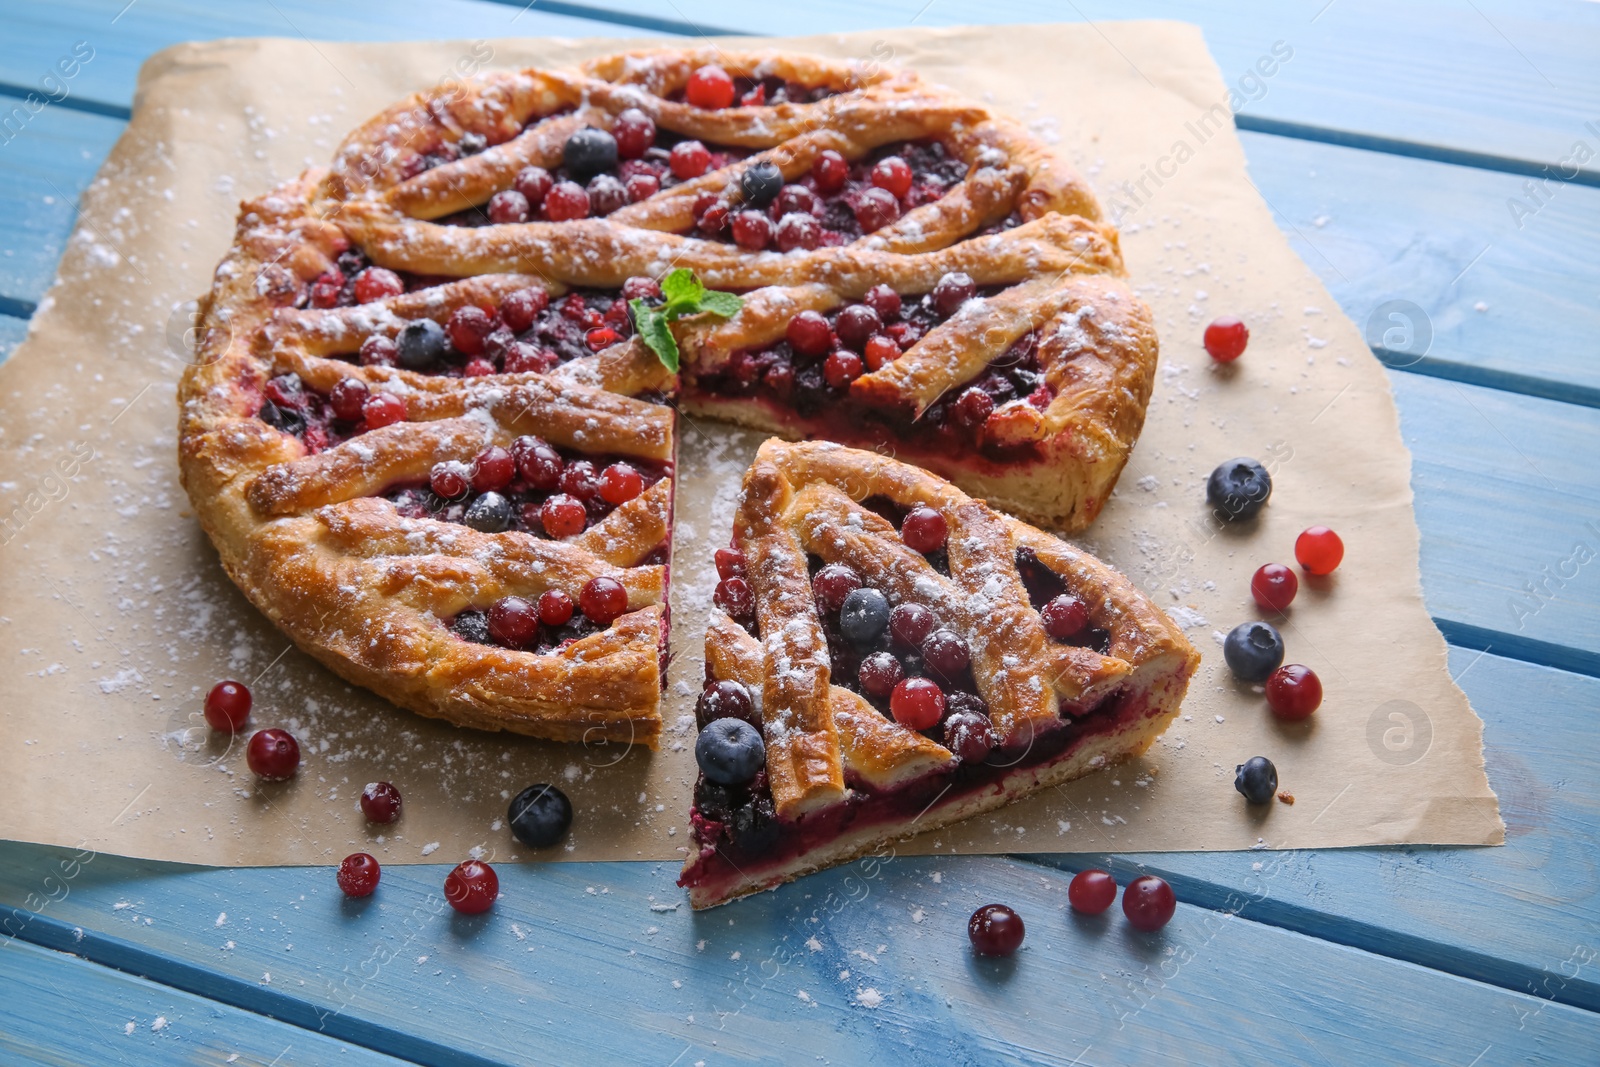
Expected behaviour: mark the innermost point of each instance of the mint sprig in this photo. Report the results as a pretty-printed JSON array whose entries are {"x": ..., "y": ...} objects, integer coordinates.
[{"x": 684, "y": 295}]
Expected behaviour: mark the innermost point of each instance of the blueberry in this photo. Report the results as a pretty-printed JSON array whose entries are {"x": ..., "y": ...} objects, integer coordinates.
[
  {"x": 472, "y": 143},
  {"x": 1253, "y": 651},
  {"x": 863, "y": 616},
  {"x": 472, "y": 626},
  {"x": 589, "y": 152},
  {"x": 1257, "y": 779},
  {"x": 730, "y": 752},
  {"x": 761, "y": 183},
  {"x": 540, "y": 815},
  {"x": 490, "y": 513},
  {"x": 286, "y": 419},
  {"x": 420, "y": 345},
  {"x": 1238, "y": 488},
  {"x": 755, "y": 825}
]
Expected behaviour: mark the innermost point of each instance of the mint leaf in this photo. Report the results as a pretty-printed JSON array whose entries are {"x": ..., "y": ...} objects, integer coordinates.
[
  {"x": 655, "y": 333},
  {"x": 682, "y": 287},
  {"x": 685, "y": 295},
  {"x": 722, "y": 305}
]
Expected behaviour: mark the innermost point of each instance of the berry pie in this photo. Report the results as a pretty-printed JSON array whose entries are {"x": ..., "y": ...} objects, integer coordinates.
[
  {"x": 888, "y": 655},
  {"x": 430, "y": 426}
]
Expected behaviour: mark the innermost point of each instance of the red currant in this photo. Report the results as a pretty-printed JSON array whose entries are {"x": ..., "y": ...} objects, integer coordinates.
[
  {"x": 377, "y": 283},
  {"x": 580, "y": 479},
  {"x": 1148, "y": 903},
  {"x": 752, "y": 231},
  {"x": 540, "y": 464},
  {"x": 809, "y": 333},
  {"x": 601, "y": 338},
  {"x": 880, "y": 351},
  {"x": 513, "y": 622},
  {"x": 1091, "y": 892},
  {"x": 472, "y": 887},
  {"x": 493, "y": 469},
  {"x": 910, "y": 625},
  {"x": 273, "y": 755},
  {"x": 641, "y": 287},
  {"x": 841, "y": 368},
  {"x": 969, "y": 734},
  {"x": 917, "y": 703},
  {"x": 734, "y": 596},
  {"x": 635, "y": 133},
  {"x": 830, "y": 171},
  {"x": 892, "y": 173},
  {"x": 689, "y": 159},
  {"x": 534, "y": 183},
  {"x": 523, "y": 358},
  {"x": 709, "y": 87},
  {"x": 567, "y": 201},
  {"x": 555, "y": 608},
  {"x": 227, "y": 706},
  {"x": 1293, "y": 691},
  {"x": 606, "y": 194},
  {"x": 885, "y": 301},
  {"x": 380, "y": 802},
  {"x": 995, "y": 930},
  {"x": 358, "y": 875},
  {"x": 730, "y": 563},
  {"x": 924, "y": 529},
  {"x": 620, "y": 483},
  {"x": 833, "y": 583},
  {"x": 326, "y": 290},
  {"x": 383, "y": 409},
  {"x": 798, "y": 230},
  {"x": 603, "y": 599},
  {"x": 378, "y": 351},
  {"x": 878, "y": 674},
  {"x": 953, "y": 290},
  {"x": 508, "y": 206},
  {"x": 1319, "y": 550},
  {"x": 1226, "y": 338},
  {"x": 946, "y": 654},
  {"x": 797, "y": 200},
  {"x": 450, "y": 479},
  {"x": 1274, "y": 587},
  {"x": 467, "y": 329},
  {"x": 1064, "y": 617},
  {"x": 478, "y": 367},
  {"x": 522, "y": 308},
  {"x": 856, "y": 325},
  {"x": 346, "y": 398},
  {"x": 972, "y": 408},
  {"x": 875, "y": 209},
  {"x": 641, "y": 187},
  {"x": 563, "y": 516}
]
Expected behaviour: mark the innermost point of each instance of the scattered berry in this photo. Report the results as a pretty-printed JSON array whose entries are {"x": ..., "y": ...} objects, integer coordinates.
[
  {"x": 875, "y": 209},
  {"x": 493, "y": 469},
  {"x": 1148, "y": 903},
  {"x": 565, "y": 202},
  {"x": 534, "y": 183},
  {"x": 709, "y": 87},
  {"x": 689, "y": 159},
  {"x": 358, "y": 875},
  {"x": 917, "y": 703},
  {"x": 420, "y": 345},
  {"x": 761, "y": 183},
  {"x": 878, "y": 674},
  {"x": 540, "y": 464},
  {"x": 603, "y": 599},
  {"x": 380, "y": 802},
  {"x": 508, "y": 206},
  {"x": 863, "y": 616},
  {"x": 347, "y": 397},
  {"x": 641, "y": 187},
  {"x": 227, "y": 706},
  {"x": 734, "y": 596},
  {"x": 450, "y": 479},
  {"x": 472, "y": 887},
  {"x": 724, "y": 699},
  {"x": 1064, "y": 617},
  {"x": 730, "y": 563},
  {"x": 972, "y": 408},
  {"x": 606, "y": 194},
  {"x": 1253, "y": 651},
  {"x": 1319, "y": 550},
  {"x": 540, "y": 815},
  {"x": 635, "y": 133},
  {"x": 379, "y": 351},
  {"x": 377, "y": 283},
  {"x": 589, "y": 152},
  {"x": 1274, "y": 587},
  {"x": 1294, "y": 692},
  {"x": 910, "y": 625},
  {"x": 513, "y": 622},
  {"x": 730, "y": 751},
  {"x": 809, "y": 334},
  {"x": 522, "y": 308},
  {"x": 995, "y": 930},
  {"x": 830, "y": 171},
  {"x": 273, "y": 755},
  {"x": 924, "y": 530},
  {"x": 563, "y": 516},
  {"x": 884, "y": 300},
  {"x": 752, "y": 231},
  {"x": 969, "y": 734},
  {"x": 893, "y": 174},
  {"x": 620, "y": 483},
  {"x": 798, "y": 230},
  {"x": 841, "y": 368},
  {"x": 953, "y": 290},
  {"x": 555, "y": 607},
  {"x": 1238, "y": 489},
  {"x": 880, "y": 351},
  {"x": 1256, "y": 779},
  {"x": 946, "y": 654},
  {"x": 833, "y": 583},
  {"x": 490, "y": 513},
  {"x": 856, "y": 325},
  {"x": 1226, "y": 338},
  {"x": 383, "y": 409},
  {"x": 1092, "y": 892}
]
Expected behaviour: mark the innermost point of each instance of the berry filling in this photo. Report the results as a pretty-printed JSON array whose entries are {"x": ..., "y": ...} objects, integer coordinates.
[{"x": 354, "y": 280}]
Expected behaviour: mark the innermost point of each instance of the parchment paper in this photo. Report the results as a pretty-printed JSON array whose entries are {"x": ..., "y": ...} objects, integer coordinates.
[{"x": 117, "y": 617}]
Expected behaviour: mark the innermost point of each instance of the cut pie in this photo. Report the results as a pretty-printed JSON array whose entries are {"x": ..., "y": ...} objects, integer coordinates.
[
  {"x": 917, "y": 274},
  {"x": 908, "y": 657}
]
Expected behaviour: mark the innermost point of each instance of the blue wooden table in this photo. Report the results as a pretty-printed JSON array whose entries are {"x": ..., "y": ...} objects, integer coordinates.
[{"x": 1424, "y": 152}]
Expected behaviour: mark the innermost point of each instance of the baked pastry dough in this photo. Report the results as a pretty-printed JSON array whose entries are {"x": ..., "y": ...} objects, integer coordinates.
[
  {"x": 326, "y": 521},
  {"x": 842, "y": 776}
]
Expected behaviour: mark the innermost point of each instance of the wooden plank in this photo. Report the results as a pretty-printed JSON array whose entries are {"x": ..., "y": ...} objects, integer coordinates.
[
  {"x": 598, "y": 947},
  {"x": 62, "y": 1010},
  {"x": 38, "y": 35},
  {"x": 1507, "y": 80}
]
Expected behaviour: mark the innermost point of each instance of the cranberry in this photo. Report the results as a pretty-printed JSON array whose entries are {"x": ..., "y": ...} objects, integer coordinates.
[
  {"x": 995, "y": 930},
  {"x": 709, "y": 87},
  {"x": 730, "y": 563},
  {"x": 379, "y": 351},
  {"x": 714, "y": 219},
  {"x": 606, "y": 194},
  {"x": 880, "y": 351},
  {"x": 893, "y": 174},
  {"x": 1092, "y": 892},
  {"x": 830, "y": 171},
  {"x": 924, "y": 529},
  {"x": 273, "y": 755},
  {"x": 1148, "y": 903},
  {"x": 603, "y": 599},
  {"x": 326, "y": 290},
  {"x": 581, "y": 480},
  {"x": 563, "y": 516},
  {"x": 478, "y": 367},
  {"x": 521, "y": 309},
  {"x": 472, "y": 887},
  {"x": 555, "y": 607},
  {"x": 565, "y": 202},
  {"x": 620, "y": 483},
  {"x": 534, "y": 183},
  {"x": 798, "y": 230},
  {"x": 734, "y": 596},
  {"x": 1274, "y": 587},
  {"x": 641, "y": 187},
  {"x": 884, "y": 300},
  {"x": 524, "y": 358},
  {"x": 346, "y": 398},
  {"x": 601, "y": 338},
  {"x": 1293, "y": 691},
  {"x": 953, "y": 290},
  {"x": 972, "y": 408},
  {"x": 380, "y": 802},
  {"x": 641, "y": 287},
  {"x": 856, "y": 324},
  {"x": 1319, "y": 550},
  {"x": 752, "y": 231},
  {"x": 797, "y": 200},
  {"x": 946, "y": 654},
  {"x": 358, "y": 875},
  {"x": 1064, "y": 617},
  {"x": 879, "y": 674},
  {"x": 540, "y": 464},
  {"x": 809, "y": 333},
  {"x": 841, "y": 368},
  {"x": 493, "y": 470},
  {"x": 689, "y": 159},
  {"x": 513, "y": 622},
  {"x": 917, "y": 703},
  {"x": 835, "y": 582},
  {"x": 508, "y": 206},
  {"x": 383, "y": 409},
  {"x": 467, "y": 329},
  {"x": 910, "y": 625},
  {"x": 970, "y": 735},
  {"x": 876, "y": 209},
  {"x": 450, "y": 479},
  {"x": 724, "y": 700},
  {"x": 635, "y": 133},
  {"x": 227, "y": 706},
  {"x": 377, "y": 283},
  {"x": 1226, "y": 338}
]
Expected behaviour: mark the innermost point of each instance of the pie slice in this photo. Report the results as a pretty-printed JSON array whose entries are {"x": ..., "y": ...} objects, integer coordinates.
[{"x": 909, "y": 657}]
